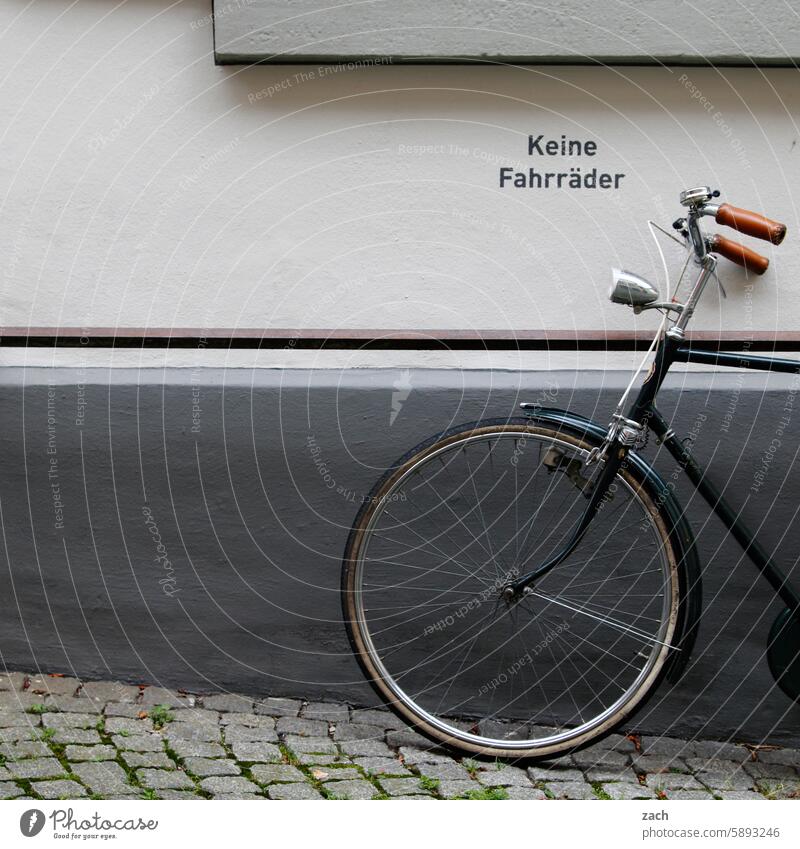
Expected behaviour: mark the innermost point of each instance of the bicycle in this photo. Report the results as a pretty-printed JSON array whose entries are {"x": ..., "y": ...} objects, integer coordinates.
[{"x": 519, "y": 587}]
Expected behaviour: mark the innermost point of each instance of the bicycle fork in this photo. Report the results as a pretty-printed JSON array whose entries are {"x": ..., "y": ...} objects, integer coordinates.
[{"x": 622, "y": 436}]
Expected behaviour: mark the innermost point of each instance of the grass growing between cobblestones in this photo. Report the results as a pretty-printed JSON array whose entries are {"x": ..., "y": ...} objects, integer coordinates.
[
  {"x": 181, "y": 764},
  {"x": 486, "y": 794},
  {"x": 317, "y": 784},
  {"x": 778, "y": 790},
  {"x": 292, "y": 759},
  {"x": 39, "y": 709},
  {"x": 107, "y": 740},
  {"x": 429, "y": 784},
  {"x": 160, "y": 715}
]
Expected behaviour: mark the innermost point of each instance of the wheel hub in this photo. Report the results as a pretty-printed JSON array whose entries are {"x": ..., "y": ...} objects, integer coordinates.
[{"x": 511, "y": 595}]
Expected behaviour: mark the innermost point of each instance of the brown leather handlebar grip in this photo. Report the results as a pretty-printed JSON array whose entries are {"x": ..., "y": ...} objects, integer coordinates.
[
  {"x": 741, "y": 255},
  {"x": 751, "y": 223}
]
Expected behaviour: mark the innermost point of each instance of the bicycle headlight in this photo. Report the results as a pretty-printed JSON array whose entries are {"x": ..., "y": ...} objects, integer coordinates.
[{"x": 631, "y": 289}]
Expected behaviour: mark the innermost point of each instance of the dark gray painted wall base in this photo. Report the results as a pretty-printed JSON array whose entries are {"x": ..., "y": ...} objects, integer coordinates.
[{"x": 254, "y": 517}]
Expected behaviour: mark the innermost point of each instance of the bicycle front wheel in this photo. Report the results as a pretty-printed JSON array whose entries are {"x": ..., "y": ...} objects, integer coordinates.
[{"x": 442, "y": 534}]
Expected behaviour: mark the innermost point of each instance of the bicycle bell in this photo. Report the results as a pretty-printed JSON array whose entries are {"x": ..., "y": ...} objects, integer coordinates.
[{"x": 697, "y": 196}]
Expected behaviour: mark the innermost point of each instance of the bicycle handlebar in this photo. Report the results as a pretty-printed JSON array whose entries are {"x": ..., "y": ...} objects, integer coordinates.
[
  {"x": 738, "y": 253},
  {"x": 750, "y": 223},
  {"x": 699, "y": 202}
]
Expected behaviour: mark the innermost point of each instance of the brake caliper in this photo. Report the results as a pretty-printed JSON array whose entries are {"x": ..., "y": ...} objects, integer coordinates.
[{"x": 555, "y": 460}]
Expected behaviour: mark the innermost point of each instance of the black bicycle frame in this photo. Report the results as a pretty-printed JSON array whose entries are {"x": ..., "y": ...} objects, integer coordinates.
[{"x": 644, "y": 412}]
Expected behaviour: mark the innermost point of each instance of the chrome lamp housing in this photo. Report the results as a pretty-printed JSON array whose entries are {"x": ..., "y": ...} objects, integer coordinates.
[{"x": 631, "y": 289}]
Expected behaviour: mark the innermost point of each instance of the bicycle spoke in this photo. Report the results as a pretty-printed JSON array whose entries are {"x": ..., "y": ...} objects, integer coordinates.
[{"x": 621, "y": 626}]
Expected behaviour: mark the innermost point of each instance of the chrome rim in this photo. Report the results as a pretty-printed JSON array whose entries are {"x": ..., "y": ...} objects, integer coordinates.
[{"x": 427, "y": 603}]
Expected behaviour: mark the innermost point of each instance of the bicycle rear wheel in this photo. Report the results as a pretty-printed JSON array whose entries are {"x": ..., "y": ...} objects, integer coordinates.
[{"x": 446, "y": 529}]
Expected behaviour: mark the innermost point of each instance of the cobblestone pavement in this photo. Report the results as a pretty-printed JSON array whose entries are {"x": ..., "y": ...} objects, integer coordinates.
[{"x": 60, "y": 739}]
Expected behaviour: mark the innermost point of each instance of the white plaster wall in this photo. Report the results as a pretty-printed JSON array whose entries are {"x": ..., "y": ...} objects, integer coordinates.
[{"x": 142, "y": 186}]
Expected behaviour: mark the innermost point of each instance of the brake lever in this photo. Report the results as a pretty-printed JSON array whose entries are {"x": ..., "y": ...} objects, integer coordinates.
[{"x": 669, "y": 235}]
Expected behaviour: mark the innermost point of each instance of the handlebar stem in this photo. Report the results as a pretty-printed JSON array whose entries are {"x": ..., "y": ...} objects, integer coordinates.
[
  {"x": 708, "y": 263},
  {"x": 696, "y": 236}
]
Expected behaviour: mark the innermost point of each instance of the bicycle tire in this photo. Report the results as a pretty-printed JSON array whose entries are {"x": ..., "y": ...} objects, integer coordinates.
[{"x": 406, "y": 708}]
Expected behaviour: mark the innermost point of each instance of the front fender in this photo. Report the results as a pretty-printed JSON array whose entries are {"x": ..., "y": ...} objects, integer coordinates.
[{"x": 681, "y": 536}]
